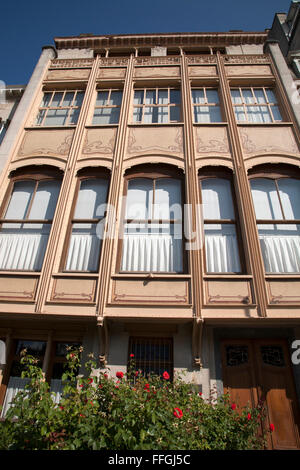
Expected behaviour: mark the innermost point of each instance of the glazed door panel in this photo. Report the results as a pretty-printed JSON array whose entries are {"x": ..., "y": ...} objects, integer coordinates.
[{"x": 263, "y": 371}]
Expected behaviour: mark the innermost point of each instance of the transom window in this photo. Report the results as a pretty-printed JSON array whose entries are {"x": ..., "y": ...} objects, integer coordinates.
[
  {"x": 257, "y": 105},
  {"x": 277, "y": 208},
  {"x": 206, "y": 105},
  {"x": 86, "y": 229},
  {"x": 152, "y": 239},
  {"x": 156, "y": 105},
  {"x": 152, "y": 356},
  {"x": 26, "y": 225},
  {"x": 220, "y": 227},
  {"x": 60, "y": 108},
  {"x": 107, "y": 107}
]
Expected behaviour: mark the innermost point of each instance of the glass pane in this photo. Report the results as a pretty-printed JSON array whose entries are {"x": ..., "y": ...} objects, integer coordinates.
[
  {"x": 137, "y": 114},
  {"x": 45, "y": 200},
  {"x": 139, "y": 199},
  {"x": 259, "y": 95},
  {"x": 276, "y": 113},
  {"x": 240, "y": 113},
  {"x": 150, "y": 115},
  {"x": 102, "y": 98},
  {"x": 289, "y": 190},
  {"x": 174, "y": 113},
  {"x": 68, "y": 99},
  {"x": 56, "y": 117},
  {"x": 162, "y": 114},
  {"x": 259, "y": 114},
  {"x": 248, "y": 96},
  {"x": 61, "y": 349},
  {"x": 212, "y": 96},
  {"x": 236, "y": 97},
  {"x": 265, "y": 199},
  {"x": 57, "y": 99},
  {"x": 20, "y": 199},
  {"x": 175, "y": 96},
  {"x": 46, "y": 100},
  {"x": 221, "y": 247},
  {"x": 78, "y": 99},
  {"x": 74, "y": 115},
  {"x": 40, "y": 117},
  {"x": 92, "y": 195},
  {"x": 167, "y": 199},
  {"x": 198, "y": 96},
  {"x": 150, "y": 97},
  {"x": 106, "y": 116},
  {"x": 34, "y": 348},
  {"x": 217, "y": 199},
  {"x": 163, "y": 97},
  {"x": 271, "y": 95},
  {"x": 116, "y": 98},
  {"x": 138, "y": 97}
]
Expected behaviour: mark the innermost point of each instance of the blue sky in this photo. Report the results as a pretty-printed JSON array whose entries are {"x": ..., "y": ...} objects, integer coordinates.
[{"x": 27, "y": 26}]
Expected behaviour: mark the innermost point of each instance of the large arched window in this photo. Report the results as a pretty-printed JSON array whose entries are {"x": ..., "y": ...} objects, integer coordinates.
[
  {"x": 152, "y": 239},
  {"x": 276, "y": 198},
  {"x": 222, "y": 240},
  {"x": 85, "y": 233},
  {"x": 28, "y": 211}
]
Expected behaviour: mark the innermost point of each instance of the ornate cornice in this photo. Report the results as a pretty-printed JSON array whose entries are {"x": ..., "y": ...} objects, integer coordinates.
[{"x": 161, "y": 39}]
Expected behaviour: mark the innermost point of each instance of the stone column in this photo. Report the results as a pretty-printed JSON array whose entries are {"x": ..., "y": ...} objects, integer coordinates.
[{"x": 20, "y": 116}]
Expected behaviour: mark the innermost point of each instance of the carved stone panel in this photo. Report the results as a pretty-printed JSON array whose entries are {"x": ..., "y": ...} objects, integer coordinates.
[
  {"x": 268, "y": 139},
  {"x": 148, "y": 140},
  {"x": 211, "y": 140},
  {"x": 284, "y": 292},
  {"x": 153, "y": 72},
  {"x": 116, "y": 72},
  {"x": 54, "y": 142},
  {"x": 99, "y": 142},
  {"x": 18, "y": 288},
  {"x": 202, "y": 71},
  {"x": 73, "y": 290},
  {"x": 228, "y": 291},
  {"x": 248, "y": 70},
  {"x": 143, "y": 291},
  {"x": 68, "y": 74}
]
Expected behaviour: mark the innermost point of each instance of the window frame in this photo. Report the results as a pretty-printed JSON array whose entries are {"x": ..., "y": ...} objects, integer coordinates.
[
  {"x": 70, "y": 108},
  {"x": 226, "y": 174},
  {"x": 143, "y": 106},
  {"x": 82, "y": 175},
  {"x": 107, "y": 106},
  {"x": 151, "y": 173},
  {"x": 29, "y": 174},
  {"x": 266, "y": 104}
]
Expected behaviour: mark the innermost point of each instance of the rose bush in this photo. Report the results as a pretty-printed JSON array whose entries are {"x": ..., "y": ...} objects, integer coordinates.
[{"x": 137, "y": 413}]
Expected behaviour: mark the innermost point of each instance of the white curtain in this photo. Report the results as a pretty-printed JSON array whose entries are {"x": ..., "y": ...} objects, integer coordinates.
[
  {"x": 86, "y": 238},
  {"x": 280, "y": 243},
  {"x": 15, "y": 385},
  {"x": 221, "y": 244},
  {"x": 204, "y": 113},
  {"x": 23, "y": 245},
  {"x": 56, "y": 388}
]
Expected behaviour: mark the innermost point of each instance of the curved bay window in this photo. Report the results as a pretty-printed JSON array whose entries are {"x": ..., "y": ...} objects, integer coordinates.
[
  {"x": 222, "y": 246},
  {"x": 152, "y": 240},
  {"x": 27, "y": 219},
  {"x": 276, "y": 196},
  {"x": 85, "y": 231}
]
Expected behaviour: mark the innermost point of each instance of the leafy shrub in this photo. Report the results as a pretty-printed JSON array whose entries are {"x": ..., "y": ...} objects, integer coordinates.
[{"x": 130, "y": 413}]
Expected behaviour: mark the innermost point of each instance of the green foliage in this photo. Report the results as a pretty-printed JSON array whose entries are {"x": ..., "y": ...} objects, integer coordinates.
[{"x": 132, "y": 413}]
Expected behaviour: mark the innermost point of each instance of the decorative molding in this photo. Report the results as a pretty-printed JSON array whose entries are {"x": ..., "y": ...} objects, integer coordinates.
[
  {"x": 71, "y": 63},
  {"x": 113, "y": 61},
  {"x": 97, "y": 146},
  {"x": 228, "y": 298},
  {"x": 247, "y": 59},
  {"x": 251, "y": 147},
  {"x": 68, "y": 74},
  {"x": 165, "y": 60},
  {"x": 202, "y": 59},
  {"x": 214, "y": 145},
  {"x": 133, "y": 149},
  {"x": 63, "y": 147}
]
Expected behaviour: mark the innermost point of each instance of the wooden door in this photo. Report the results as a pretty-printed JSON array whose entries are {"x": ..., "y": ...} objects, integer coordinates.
[{"x": 256, "y": 370}]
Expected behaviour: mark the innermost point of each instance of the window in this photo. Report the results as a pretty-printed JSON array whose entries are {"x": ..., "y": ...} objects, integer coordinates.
[
  {"x": 220, "y": 228},
  {"x": 276, "y": 202},
  {"x": 86, "y": 233},
  {"x": 26, "y": 224},
  {"x": 60, "y": 108},
  {"x": 257, "y": 105},
  {"x": 156, "y": 105},
  {"x": 15, "y": 382},
  {"x": 152, "y": 355},
  {"x": 206, "y": 105},
  {"x": 107, "y": 107},
  {"x": 152, "y": 239}
]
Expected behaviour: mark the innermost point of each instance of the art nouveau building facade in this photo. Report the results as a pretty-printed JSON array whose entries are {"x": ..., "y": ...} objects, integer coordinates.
[{"x": 150, "y": 204}]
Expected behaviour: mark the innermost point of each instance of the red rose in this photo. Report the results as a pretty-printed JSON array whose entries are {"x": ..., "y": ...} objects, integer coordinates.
[
  {"x": 147, "y": 386},
  {"x": 272, "y": 427},
  {"x": 90, "y": 381},
  {"x": 105, "y": 376},
  {"x": 131, "y": 355},
  {"x": 177, "y": 413},
  {"x": 233, "y": 406},
  {"x": 61, "y": 407},
  {"x": 248, "y": 416},
  {"x": 200, "y": 394},
  {"x": 120, "y": 375},
  {"x": 166, "y": 375}
]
